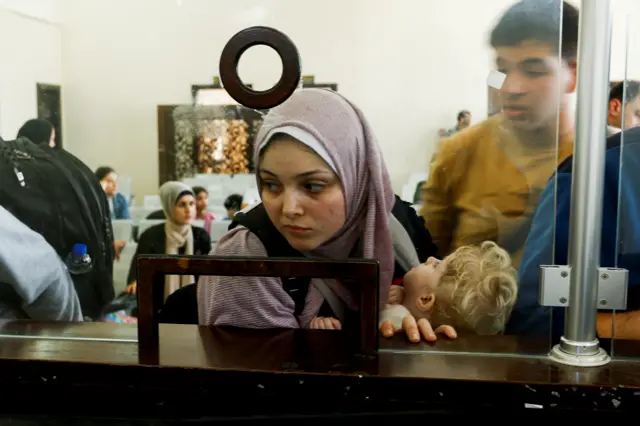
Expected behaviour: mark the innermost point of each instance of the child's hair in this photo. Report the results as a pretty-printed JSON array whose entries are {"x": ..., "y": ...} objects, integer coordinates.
[
  {"x": 233, "y": 201},
  {"x": 478, "y": 290},
  {"x": 198, "y": 189}
]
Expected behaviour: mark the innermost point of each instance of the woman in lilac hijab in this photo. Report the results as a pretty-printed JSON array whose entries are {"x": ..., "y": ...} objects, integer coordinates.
[{"x": 325, "y": 192}]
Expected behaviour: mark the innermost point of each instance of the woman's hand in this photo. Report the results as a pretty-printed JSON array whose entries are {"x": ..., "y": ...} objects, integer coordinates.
[
  {"x": 118, "y": 245},
  {"x": 396, "y": 295},
  {"x": 325, "y": 323},
  {"x": 416, "y": 331},
  {"x": 131, "y": 288}
]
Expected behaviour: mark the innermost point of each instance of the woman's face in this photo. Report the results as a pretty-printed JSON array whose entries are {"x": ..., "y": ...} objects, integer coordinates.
[
  {"x": 109, "y": 184},
  {"x": 202, "y": 199},
  {"x": 185, "y": 210},
  {"x": 52, "y": 138},
  {"x": 301, "y": 193}
]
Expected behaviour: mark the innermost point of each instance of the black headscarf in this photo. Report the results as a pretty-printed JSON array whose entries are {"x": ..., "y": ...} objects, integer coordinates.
[{"x": 37, "y": 131}]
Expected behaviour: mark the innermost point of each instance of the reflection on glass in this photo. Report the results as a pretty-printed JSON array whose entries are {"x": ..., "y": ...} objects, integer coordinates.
[
  {"x": 623, "y": 160},
  {"x": 487, "y": 182}
]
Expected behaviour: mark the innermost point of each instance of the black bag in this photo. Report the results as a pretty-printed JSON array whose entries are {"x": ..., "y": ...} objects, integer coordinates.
[
  {"x": 417, "y": 230},
  {"x": 124, "y": 302},
  {"x": 58, "y": 196}
]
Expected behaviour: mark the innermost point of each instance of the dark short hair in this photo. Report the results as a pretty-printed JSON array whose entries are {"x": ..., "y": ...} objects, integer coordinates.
[
  {"x": 462, "y": 114},
  {"x": 36, "y": 130},
  {"x": 630, "y": 92},
  {"x": 233, "y": 201},
  {"x": 198, "y": 189},
  {"x": 103, "y": 172},
  {"x": 539, "y": 20}
]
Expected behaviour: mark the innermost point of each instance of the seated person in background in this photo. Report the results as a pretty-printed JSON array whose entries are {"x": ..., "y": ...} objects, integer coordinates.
[
  {"x": 175, "y": 236},
  {"x": 485, "y": 182},
  {"x": 34, "y": 282},
  {"x": 118, "y": 204},
  {"x": 202, "y": 201},
  {"x": 621, "y": 200},
  {"x": 627, "y": 111},
  {"x": 38, "y": 131},
  {"x": 233, "y": 204},
  {"x": 473, "y": 289},
  {"x": 326, "y": 193}
]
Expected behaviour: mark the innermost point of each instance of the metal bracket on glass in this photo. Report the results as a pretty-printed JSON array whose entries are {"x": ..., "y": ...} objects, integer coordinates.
[{"x": 555, "y": 282}]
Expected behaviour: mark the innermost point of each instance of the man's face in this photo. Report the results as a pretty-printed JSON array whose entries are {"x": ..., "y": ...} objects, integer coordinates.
[
  {"x": 465, "y": 120},
  {"x": 630, "y": 112},
  {"x": 534, "y": 75}
]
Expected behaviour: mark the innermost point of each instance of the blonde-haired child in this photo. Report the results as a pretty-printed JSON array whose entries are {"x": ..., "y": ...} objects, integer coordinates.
[{"x": 473, "y": 289}]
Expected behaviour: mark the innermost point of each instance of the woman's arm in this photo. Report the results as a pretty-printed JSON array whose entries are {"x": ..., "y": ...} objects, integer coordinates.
[
  {"x": 202, "y": 241},
  {"x": 123, "y": 208},
  {"x": 144, "y": 247},
  {"x": 627, "y": 325},
  {"x": 250, "y": 302}
]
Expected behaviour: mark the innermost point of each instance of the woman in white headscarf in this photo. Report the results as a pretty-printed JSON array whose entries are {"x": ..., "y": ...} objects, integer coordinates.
[{"x": 175, "y": 236}]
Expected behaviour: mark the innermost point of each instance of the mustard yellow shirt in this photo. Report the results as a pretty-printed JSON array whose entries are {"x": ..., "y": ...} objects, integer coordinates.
[{"x": 485, "y": 185}]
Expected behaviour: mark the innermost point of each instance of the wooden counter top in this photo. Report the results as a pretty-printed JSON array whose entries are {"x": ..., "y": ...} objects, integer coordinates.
[{"x": 291, "y": 370}]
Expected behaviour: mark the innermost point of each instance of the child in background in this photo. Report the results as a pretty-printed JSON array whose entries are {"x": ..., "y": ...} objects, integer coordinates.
[
  {"x": 202, "y": 201},
  {"x": 233, "y": 204},
  {"x": 473, "y": 289}
]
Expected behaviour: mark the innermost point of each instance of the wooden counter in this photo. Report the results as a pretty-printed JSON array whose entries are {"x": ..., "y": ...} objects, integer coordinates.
[{"x": 222, "y": 372}]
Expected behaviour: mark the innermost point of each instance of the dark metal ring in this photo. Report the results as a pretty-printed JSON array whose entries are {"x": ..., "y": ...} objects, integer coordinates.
[{"x": 230, "y": 57}]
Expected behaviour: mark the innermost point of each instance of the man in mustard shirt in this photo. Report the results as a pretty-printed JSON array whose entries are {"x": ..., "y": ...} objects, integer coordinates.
[{"x": 485, "y": 181}]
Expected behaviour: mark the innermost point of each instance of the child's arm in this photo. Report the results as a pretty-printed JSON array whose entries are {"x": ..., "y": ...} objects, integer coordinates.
[{"x": 395, "y": 314}]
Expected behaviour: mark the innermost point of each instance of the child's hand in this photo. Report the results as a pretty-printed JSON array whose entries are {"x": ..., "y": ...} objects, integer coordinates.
[
  {"x": 325, "y": 323},
  {"x": 396, "y": 295},
  {"x": 415, "y": 331}
]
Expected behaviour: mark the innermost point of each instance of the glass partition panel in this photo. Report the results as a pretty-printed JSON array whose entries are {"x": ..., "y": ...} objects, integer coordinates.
[
  {"x": 490, "y": 181},
  {"x": 126, "y": 96},
  {"x": 623, "y": 159}
]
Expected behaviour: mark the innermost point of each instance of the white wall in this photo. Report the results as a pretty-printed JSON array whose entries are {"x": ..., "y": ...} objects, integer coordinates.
[
  {"x": 411, "y": 67},
  {"x": 44, "y": 10},
  {"x": 30, "y": 52},
  {"x": 626, "y": 18},
  {"x": 410, "y": 64}
]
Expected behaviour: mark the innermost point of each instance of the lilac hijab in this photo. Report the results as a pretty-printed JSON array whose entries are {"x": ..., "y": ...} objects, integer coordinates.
[{"x": 346, "y": 137}]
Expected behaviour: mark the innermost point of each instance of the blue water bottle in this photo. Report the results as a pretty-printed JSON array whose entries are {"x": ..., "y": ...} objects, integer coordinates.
[{"x": 79, "y": 262}]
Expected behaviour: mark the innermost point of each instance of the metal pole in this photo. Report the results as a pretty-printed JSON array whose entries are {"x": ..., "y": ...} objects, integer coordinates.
[{"x": 580, "y": 338}]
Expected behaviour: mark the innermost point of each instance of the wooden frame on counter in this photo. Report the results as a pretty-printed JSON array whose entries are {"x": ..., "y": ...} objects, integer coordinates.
[{"x": 152, "y": 269}]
